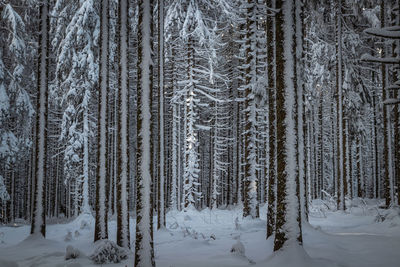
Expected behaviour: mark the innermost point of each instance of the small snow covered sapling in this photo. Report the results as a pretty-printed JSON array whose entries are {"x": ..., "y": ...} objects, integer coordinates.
[
  {"x": 238, "y": 248},
  {"x": 77, "y": 233},
  {"x": 72, "y": 253},
  {"x": 237, "y": 224},
  {"x": 107, "y": 251},
  {"x": 84, "y": 225},
  {"x": 68, "y": 236}
]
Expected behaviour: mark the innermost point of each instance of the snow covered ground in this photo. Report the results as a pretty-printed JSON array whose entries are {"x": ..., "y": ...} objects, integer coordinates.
[{"x": 357, "y": 238}]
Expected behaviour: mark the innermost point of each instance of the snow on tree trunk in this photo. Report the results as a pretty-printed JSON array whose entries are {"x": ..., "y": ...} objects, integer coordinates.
[
  {"x": 39, "y": 211},
  {"x": 101, "y": 225},
  {"x": 122, "y": 137},
  {"x": 85, "y": 189},
  {"x": 300, "y": 188},
  {"x": 175, "y": 123},
  {"x": 300, "y": 104},
  {"x": 272, "y": 122},
  {"x": 287, "y": 225},
  {"x": 161, "y": 204},
  {"x": 250, "y": 206},
  {"x": 144, "y": 253},
  {"x": 340, "y": 122},
  {"x": 191, "y": 168}
]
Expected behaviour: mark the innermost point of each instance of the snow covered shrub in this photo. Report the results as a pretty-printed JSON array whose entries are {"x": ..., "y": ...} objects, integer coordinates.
[
  {"x": 237, "y": 224},
  {"x": 77, "y": 233},
  {"x": 238, "y": 248},
  {"x": 68, "y": 236},
  {"x": 390, "y": 216},
  {"x": 84, "y": 225},
  {"x": 174, "y": 226},
  {"x": 107, "y": 251},
  {"x": 72, "y": 253}
]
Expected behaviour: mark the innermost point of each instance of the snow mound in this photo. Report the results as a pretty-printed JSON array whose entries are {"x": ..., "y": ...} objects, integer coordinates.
[
  {"x": 68, "y": 237},
  {"x": 107, "y": 251},
  {"x": 391, "y": 217},
  {"x": 238, "y": 248},
  {"x": 294, "y": 256},
  {"x": 72, "y": 253}
]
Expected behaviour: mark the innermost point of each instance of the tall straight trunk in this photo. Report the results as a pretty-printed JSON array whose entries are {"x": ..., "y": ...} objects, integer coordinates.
[
  {"x": 396, "y": 125},
  {"x": 340, "y": 122},
  {"x": 123, "y": 128},
  {"x": 321, "y": 146},
  {"x": 38, "y": 225},
  {"x": 85, "y": 187},
  {"x": 385, "y": 119},
  {"x": 190, "y": 174},
  {"x": 161, "y": 186},
  {"x": 272, "y": 122},
  {"x": 101, "y": 224},
  {"x": 376, "y": 158},
  {"x": 288, "y": 225},
  {"x": 144, "y": 247},
  {"x": 251, "y": 206},
  {"x": 300, "y": 35}
]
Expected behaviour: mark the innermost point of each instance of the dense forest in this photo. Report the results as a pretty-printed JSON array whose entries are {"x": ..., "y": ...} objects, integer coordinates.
[{"x": 132, "y": 109}]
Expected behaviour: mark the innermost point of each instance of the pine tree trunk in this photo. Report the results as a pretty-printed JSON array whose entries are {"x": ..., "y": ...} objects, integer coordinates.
[
  {"x": 39, "y": 196},
  {"x": 161, "y": 180},
  {"x": 101, "y": 224},
  {"x": 250, "y": 206},
  {"x": 123, "y": 128},
  {"x": 341, "y": 164},
  {"x": 272, "y": 122},
  {"x": 288, "y": 225},
  {"x": 385, "y": 119},
  {"x": 85, "y": 187},
  {"x": 144, "y": 252}
]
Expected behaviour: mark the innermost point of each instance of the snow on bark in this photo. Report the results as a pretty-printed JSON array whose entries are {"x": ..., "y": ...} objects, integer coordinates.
[
  {"x": 85, "y": 189},
  {"x": 250, "y": 206},
  {"x": 288, "y": 228},
  {"x": 39, "y": 211},
  {"x": 300, "y": 105},
  {"x": 4, "y": 196},
  {"x": 101, "y": 225},
  {"x": 272, "y": 122},
  {"x": 122, "y": 138},
  {"x": 144, "y": 254},
  {"x": 340, "y": 142},
  {"x": 161, "y": 206}
]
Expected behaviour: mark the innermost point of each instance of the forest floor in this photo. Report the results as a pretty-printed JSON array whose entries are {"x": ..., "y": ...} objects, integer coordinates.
[{"x": 363, "y": 236}]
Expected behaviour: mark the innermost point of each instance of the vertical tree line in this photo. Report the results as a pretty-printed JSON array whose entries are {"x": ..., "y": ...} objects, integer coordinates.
[{"x": 144, "y": 107}]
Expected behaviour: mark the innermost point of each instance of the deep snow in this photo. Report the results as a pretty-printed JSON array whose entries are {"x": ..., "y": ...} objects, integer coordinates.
[{"x": 352, "y": 239}]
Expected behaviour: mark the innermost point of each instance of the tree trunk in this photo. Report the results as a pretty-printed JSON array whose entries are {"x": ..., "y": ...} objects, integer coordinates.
[
  {"x": 144, "y": 252},
  {"x": 101, "y": 224},
  {"x": 39, "y": 206}
]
